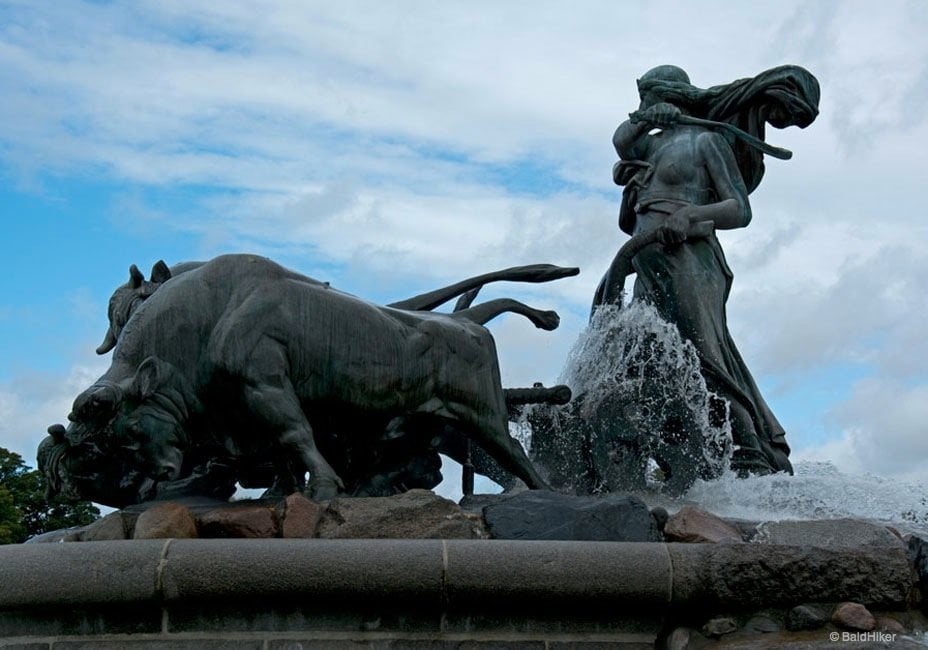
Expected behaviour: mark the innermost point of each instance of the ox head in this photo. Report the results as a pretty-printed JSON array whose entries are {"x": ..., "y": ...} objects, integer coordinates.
[
  {"x": 76, "y": 468},
  {"x": 127, "y": 298},
  {"x": 123, "y": 439}
]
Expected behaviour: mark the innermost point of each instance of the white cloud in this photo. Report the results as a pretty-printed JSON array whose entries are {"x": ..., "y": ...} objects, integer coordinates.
[
  {"x": 29, "y": 403},
  {"x": 867, "y": 310},
  {"x": 886, "y": 423},
  {"x": 381, "y": 145}
]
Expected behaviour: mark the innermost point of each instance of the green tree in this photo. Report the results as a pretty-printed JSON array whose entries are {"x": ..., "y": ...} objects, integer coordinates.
[
  {"x": 11, "y": 527},
  {"x": 24, "y": 510}
]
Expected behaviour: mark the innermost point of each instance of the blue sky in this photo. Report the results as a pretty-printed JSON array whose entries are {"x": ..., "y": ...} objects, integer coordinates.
[{"x": 391, "y": 148}]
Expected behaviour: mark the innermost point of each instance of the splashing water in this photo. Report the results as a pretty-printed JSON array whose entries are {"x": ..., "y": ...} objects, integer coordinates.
[
  {"x": 639, "y": 398},
  {"x": 634, "y": 356},
  {"x": 817, "y": 491}
]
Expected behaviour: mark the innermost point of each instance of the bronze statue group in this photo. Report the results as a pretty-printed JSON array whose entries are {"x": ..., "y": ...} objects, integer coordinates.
[{"x": 239, "y": 371}]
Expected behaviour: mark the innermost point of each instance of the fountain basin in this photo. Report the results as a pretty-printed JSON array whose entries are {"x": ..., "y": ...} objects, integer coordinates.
[{"x": 302, "y": 593}]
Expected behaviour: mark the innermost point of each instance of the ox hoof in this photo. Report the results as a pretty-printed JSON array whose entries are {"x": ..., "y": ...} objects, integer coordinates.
[{"x": 323, "y": 489}]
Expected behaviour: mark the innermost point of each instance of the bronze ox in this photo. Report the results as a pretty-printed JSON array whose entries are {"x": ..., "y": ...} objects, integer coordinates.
[{"x": 242, "y": 359}]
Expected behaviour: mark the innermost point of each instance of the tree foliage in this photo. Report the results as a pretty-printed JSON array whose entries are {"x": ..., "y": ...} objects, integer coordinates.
[{"x": 24, "y": 510}]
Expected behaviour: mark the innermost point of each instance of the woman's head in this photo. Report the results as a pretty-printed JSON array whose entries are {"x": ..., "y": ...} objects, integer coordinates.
[
  {"x": 665, "y": 83},
  {"x": 665, "y": 73}
]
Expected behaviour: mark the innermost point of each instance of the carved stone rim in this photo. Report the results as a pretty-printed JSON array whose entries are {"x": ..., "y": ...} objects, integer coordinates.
[{"x": 448, "y": 574}]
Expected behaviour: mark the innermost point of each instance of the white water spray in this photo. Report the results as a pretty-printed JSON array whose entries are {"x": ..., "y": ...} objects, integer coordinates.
[
  {"x": 632, "y": 356},
  {"x": 641, "y": 410},
  {"x": 817, "y": 491}
]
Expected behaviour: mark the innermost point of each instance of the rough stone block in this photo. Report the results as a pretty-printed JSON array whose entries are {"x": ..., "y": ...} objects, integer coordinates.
[
  {"x": 890, "y": 625},
  {"x": 679, "y": 639},
  {"x": 543, "y": 515},
  {"x": 112, "y": 526},
  {"x": 917, "y": 550},
  {"x": 750, "y": 576},
  {"x": 417, "y": 514},
  {"x": 660, "y": 516},
  {"x": 477, "y": 502},
  {"x": 300, "y": 517},
  {"x": 826, "y": 533},
  {"x": 853, "y": 616},
  {"x": 763, "y": 622},
  {"x": 239, "y": 519},
  {"x": 691, "y": 524},
  {"x": 166, "y": 520},
  {"x": 717, "y": 627},
  {"x": 805, "y": 617}
]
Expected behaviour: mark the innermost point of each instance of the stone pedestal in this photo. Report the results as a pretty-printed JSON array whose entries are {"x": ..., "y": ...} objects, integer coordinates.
[{"x": 353, "y": 593}]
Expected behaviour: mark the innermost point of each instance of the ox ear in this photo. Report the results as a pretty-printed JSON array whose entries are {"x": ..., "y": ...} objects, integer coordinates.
[
  {"x": 135, "y": 277},
  {"x": 57, "y": 432},
  {"x": 151, "y": 375},
  {"x": 160, "y": 272}
]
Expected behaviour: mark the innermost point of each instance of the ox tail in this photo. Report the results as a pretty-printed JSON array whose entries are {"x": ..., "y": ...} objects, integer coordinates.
[
  {"x": 531, "y": 273},
  {"x": 487, "y": 311}
]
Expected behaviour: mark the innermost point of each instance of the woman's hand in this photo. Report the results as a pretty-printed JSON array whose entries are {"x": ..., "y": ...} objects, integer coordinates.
[
  {"x": 662, "y": 116},
  {"x": 675, "y": 229}
]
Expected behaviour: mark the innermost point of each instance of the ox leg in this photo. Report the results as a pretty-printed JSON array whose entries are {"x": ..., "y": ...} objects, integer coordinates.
[
  {"x": 493, "y": 436},
  {"x": 278, "y": 407},
  {"x": 241, "y": 348}
]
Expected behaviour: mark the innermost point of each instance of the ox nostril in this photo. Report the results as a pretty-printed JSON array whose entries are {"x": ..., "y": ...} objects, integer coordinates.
[{"x": 168, "y": 472}]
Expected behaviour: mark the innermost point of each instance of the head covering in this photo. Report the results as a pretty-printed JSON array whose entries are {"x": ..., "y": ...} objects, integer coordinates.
[
  {"x": 663, "y": 73},
  {"x": 784, "y": 96}
]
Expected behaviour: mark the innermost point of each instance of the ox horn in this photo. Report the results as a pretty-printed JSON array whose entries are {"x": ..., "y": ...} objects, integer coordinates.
[
  {"x": 135, "y": 277},
  {"x": 109, "y": 342}
]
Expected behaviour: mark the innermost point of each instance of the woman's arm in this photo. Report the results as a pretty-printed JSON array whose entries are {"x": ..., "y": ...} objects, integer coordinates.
[
  {"x": 726, "y": 214},
  {"x": 734, "y": 209},
  {"x": 631, "y": 138},
  {"x": 723, "y": 215}
]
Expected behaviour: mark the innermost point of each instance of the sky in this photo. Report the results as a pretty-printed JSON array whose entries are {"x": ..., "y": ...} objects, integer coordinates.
[{"x": 392, "y": 148}]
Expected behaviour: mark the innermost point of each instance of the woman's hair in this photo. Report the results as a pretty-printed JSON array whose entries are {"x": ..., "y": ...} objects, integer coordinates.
[{"x": 671, "y": 84}]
